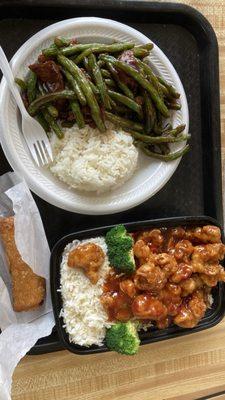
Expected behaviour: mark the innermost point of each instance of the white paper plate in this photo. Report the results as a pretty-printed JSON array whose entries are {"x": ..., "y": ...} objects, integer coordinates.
[{"x": 151, "y": 175}]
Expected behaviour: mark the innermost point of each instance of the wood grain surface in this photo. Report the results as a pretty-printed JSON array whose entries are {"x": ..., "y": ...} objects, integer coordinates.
[{"x": 179, "y": 369}]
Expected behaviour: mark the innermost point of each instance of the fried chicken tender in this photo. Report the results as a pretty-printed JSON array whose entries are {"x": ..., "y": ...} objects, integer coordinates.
[
  {"x": 213, "y": 279},
  {"x": 127, "y": 286},
  {"x": 175, "y": 235},
  {"x": 204, "y": 234},
  {"x": 167, "y": 263},
  {"x": 208, "y": 280},
  {"x": 153, "y": 236},
  {"x": 221, "y": 275},
  {"x": 149, "y": 277},
  {"x": 205, "y": 258},
  {"x": 178, "y": 233},
  {"x": 183, "y": 250},
  {"x": 145, "y": 306},
  {"x": 182, "y": 273},
  {"x": 28, "y": 289},
  {"x": 191, "y": 312},
  {"x": 189, "y": 285},
  {"x": 170, "y": 297},
  {"x": 142, "y": 251},
  {"x": 89, "y": 257},
  {"x": 117, "y": 305}
]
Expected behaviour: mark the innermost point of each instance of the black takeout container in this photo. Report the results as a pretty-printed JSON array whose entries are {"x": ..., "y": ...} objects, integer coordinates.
[{"x": 212, "y": 317}]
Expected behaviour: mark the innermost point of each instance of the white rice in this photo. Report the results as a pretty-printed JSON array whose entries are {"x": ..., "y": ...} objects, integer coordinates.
[
  {"x": 83, "y": 314},
  {"x": 210, "y": 300},
  {"x": 88, "y": 160}
]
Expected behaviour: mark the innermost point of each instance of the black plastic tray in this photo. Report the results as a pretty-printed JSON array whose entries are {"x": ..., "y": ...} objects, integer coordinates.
[
  {"x": 188, "y": 40},
  {"x": 212, "y": 317}
]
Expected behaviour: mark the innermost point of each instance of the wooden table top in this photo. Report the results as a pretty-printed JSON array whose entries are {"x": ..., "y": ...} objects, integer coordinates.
[{"x": 180, "y": 369}]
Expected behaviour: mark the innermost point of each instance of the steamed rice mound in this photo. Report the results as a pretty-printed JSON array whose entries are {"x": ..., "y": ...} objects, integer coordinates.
[
  {"x": 85, "y": 319},
  {"x": 88, "y": 160}
]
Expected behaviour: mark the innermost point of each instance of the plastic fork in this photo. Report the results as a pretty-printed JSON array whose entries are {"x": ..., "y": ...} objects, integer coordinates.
[{"x": 33, "y": 132}]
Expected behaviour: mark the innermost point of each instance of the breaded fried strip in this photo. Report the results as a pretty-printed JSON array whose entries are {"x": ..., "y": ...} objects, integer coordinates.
[{"x": 28, "y": 289}]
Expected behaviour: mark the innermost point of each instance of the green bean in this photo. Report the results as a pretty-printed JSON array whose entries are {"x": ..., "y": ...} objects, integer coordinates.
[
  {"x": 67, "y": 124},
  {"x": 40, "y": 115},
  {"x": 164, "y": 91},
  {"x": 110, "y": 83},
  {"x": 122, "y": 86},
  {"x": 78, "y": 114},
  {"x": 142, "y": 82},
  {"x": 165, "y": 157},
  {"x": 147, "y": 46},
  {"x": 170, "y": 88},
  {"x": 121, "y": 109},
  {"x": 113, "y": 103},
  {"x": 148, "y": 71},
  {"x": 31, "y": 86},
  {"x": 43, "y": 101},
  {"x": 140, "y": 52},
  {"x": 92, "y": 85},
  {"x": 105, "y": 73},
  {"x": 176, "y": 131},
  {"x": 159, "y": 139},
  {"x": 85, "y": 54},
  {"x": 75, "y": 87},
  {"x": 110, "y": 48},
  {"x": 85, "y": 86},
  {"x": 93, "y": 88},
  {"x": 42, "y": 121},
  {"x": 51, "y": 51},
  {"x": 96, "y": 72},
  {"x": 77, "y": 48},
  {"x": 158, "y": 125},
  {"x": 173, "y": 106},
  {"x": 83, "y": 58},
  {"x": 126, "y": 101},
  {"x": 53, "y": 124},
  {"x": 61, "y": 42},
  {"x": 159, "y": 119},
  {"x": 101, "y": 63},
  {"x": 51, "y": 109},
  {"x": 87, "y": 67},
  {"x": 150, "y": 114},
  {"x": 21, "y": 83},
  {"x": 124, "y": 123},
  {"x": 95, "y": 48},
  {"x": 157, "y": 129}
]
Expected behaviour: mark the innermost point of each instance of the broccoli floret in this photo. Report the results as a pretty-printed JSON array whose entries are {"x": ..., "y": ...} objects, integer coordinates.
[
  {"x": 118, "y": 231},
  {"x": 123, "y": 338},
  {"x": 120, "y": 249},
  {"x": 121, "y": 260}
]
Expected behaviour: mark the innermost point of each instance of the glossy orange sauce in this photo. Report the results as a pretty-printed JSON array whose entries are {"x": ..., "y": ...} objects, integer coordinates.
[
  {"x": 174, "y": 302},
  {"x": 121, "y": 307}
]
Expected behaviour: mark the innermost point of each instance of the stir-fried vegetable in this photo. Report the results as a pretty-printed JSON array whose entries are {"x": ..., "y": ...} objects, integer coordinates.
[{"x": 92, "y": 83}]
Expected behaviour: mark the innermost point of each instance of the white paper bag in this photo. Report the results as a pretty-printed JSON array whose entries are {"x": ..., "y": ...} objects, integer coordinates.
[{"x": 21, "y": 330}]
